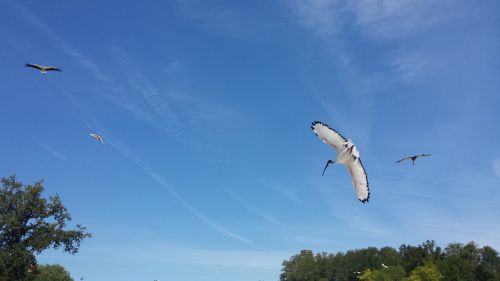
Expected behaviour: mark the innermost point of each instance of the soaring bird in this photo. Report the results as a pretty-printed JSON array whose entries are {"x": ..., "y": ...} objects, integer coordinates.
[
  {"x": 384, "y": 266},
  {"x": 43, "y": 69},
  {"x": 97, "y": 137},
  {"x": 413, "y": 158},
  {"x": 348, "y": 155}
]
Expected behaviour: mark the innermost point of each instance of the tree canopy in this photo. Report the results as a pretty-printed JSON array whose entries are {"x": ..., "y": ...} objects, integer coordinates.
[
  {"x": 426, "y": 262},
  {"x": 29, "y": 224},
  {"x": 52, "y": 273}
]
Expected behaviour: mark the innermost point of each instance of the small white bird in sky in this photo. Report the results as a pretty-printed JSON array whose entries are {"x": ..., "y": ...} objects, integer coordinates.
[
  {"x": 348, "y": 155},
  {"x": 413, "y": 158},
  {"x": 97, "y": 137},
  {"x": 384, "y": 266},
  {"x": 43, "y": 69}
]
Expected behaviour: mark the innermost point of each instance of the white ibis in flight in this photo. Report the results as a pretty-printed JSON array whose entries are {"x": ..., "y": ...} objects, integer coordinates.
[
  {"x": 97, "y": 137},
  {"x": 348, "y": 155}
]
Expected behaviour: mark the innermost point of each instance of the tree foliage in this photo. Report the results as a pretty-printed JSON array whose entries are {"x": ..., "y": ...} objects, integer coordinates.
[
  {"x": 425, "y": 262},
  {"x": 29, "y": 224},
  {"x": 52, "y": 273},
  {"x": 428, "y": 272}
]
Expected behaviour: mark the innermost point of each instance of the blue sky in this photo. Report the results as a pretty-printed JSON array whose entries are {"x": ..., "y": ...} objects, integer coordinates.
[{"x": 209, "y": 168}]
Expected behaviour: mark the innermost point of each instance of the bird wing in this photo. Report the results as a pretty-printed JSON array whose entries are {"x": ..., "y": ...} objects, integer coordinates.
[
  {"x": 406, "y": 158},
  {"x": 329, "y": 136},
  {"x": 359, "y": 178},
  {"x": 97, "y": 137},
  {"x": 37, "y": 66},
  {"x": 424, "y": 154},
  {"x": 52, "y": 68}
]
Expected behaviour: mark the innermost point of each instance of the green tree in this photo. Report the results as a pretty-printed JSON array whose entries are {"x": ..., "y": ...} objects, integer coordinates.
[
  {"x": 428, "y": 272},
  {"x": 29, "y": 224},
  {"x": 301, "y": 267},
  {"x": 52, "y": 273},
  {"x": 461, "y": 262},
  {"x": 393, "y": 273},
  {"x": 489, "y": 265},
  {"x": 366, "y": 276}
]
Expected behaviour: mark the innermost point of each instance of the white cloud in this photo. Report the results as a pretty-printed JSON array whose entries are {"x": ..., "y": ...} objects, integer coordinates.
[
  {"x": 378, "y": 18},
  {"x": 336, "y": 21},
  {"x": 398, "y": 18},
  {"x": 324, "y": 17}
]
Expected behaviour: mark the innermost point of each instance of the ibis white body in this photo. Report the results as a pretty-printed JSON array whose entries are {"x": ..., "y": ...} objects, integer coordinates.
[{"x": 348, "y": 155}]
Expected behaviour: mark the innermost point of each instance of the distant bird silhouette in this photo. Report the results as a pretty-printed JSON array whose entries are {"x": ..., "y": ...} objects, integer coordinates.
[
  {"x": 97, "y": 137},
  {"x": 43, "y": 69},
  {"x": 384, "y": 266},
  {"x": 413, "y": 158},
  {"x": 348, "y": 155}
]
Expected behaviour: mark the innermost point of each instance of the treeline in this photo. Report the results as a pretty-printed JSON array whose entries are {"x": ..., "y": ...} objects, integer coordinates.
[{"x": 426, "y": 262}]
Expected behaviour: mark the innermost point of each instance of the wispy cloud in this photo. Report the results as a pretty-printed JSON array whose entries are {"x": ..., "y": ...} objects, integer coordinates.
[
  {"x": 92, "y": 123},
  {"x": 69, "y": 50},
  {"x": 496, "y": 166},
  {"x": 287, "y": 193},
  {"x": 138, "y": 81},
  {"x": 163, "y": 183},
  {"x": 411, "y": 66},
  {"x": 205, "y": 115},
  {"x": 393, "y": 21},
  {"x": 399, "y": 18},
  {"x": 53, "y": 152},
  {"x": 377, "y": 18},
  {"x": 221, "y": 19},
  {"x": 323, "y": 17},
  {"x": 259, "y": 212},
  {"x": 176, "y": 112}
]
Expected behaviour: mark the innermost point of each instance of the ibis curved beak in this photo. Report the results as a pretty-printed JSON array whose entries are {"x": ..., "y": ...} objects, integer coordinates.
[{"x": 327, "y": 163}]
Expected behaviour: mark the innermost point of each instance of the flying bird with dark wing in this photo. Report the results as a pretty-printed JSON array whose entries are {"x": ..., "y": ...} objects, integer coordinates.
[
  {"x": 348, "y": 155},
  {"x": 97, "y": 137},
  {"x": 43, "y": 69},
  {"x": 413, "y": 158}
]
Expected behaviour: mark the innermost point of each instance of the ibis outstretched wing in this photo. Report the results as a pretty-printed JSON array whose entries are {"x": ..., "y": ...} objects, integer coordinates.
[
  {"x": 406, "y": 158},
  {"x": 359, "y": 179},
  {"x": 37, "y": 66},
  {"x": 52, "y": 68},
  {"x": 329, "y": 136},
  {"x": 97, "y": 137}
]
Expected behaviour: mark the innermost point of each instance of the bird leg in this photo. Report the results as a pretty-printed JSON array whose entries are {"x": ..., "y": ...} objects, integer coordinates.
[{"x": 327, "y": 163}]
